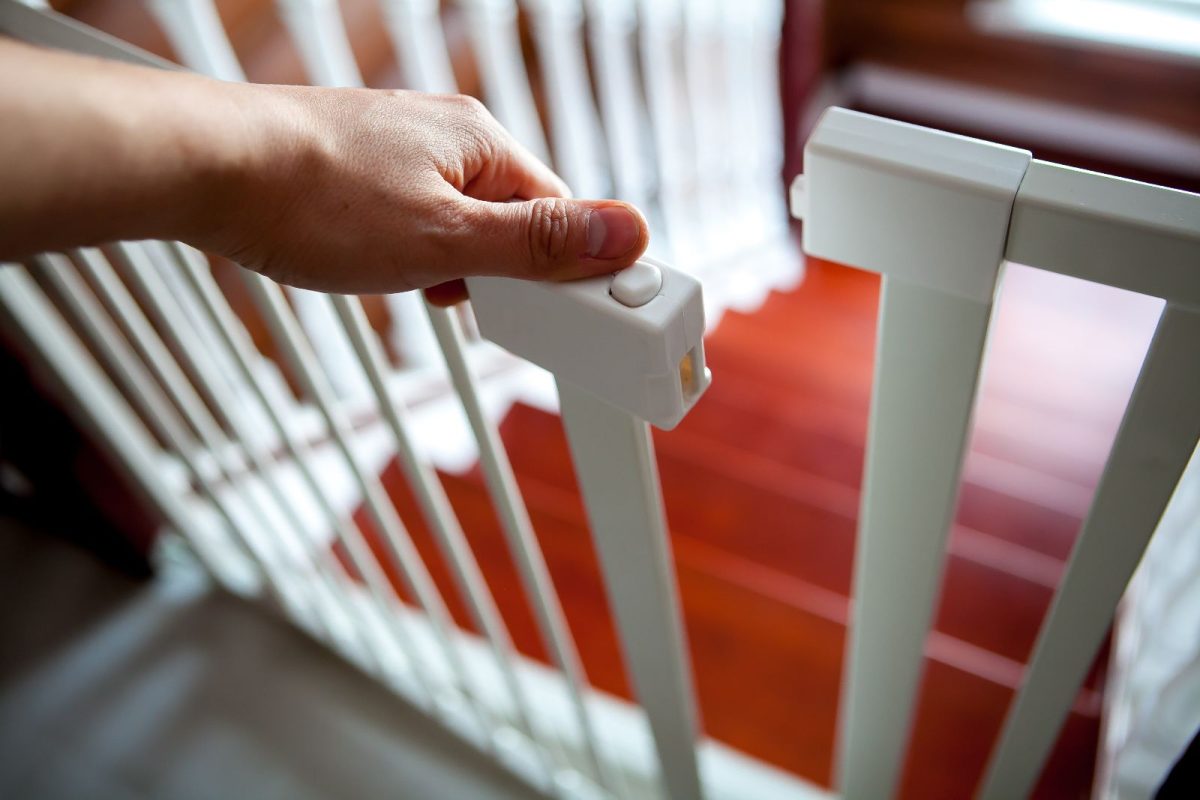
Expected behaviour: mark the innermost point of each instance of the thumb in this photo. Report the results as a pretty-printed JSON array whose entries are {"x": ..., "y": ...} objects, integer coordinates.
[{"x": 554, "y": 238}]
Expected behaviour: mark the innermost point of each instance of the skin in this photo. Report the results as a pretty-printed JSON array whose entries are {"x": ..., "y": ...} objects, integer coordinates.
[{"x": 340, "y": 190}]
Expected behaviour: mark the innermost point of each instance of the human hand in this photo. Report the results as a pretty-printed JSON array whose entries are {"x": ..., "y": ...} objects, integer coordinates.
[{"x": 363, "y": 191}]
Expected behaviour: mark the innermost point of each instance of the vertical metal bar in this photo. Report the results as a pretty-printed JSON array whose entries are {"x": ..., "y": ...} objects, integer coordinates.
[
  {"x": 191, "y": 315},
  {"x": 320, "y": 33},
  {"x": 611, "y": 26},
  {"x": 112, "y": 347},
  {"x": 929, "y": 348},
  {"x": 1157, "y": 437},
  {"x": 420, "y": 44},
  {"x": 670, "y": 117},
  {"x": 518, "y": 530},
  {"x": 194, "y": 29},
  {"x": 98, "y": 407},
  {"x": 439, "y": 514},
  {"x": 400, "y": 547},
  {"x": 492, "y": 26},
  {"x": 574, "y": 123},
  {"x": 614, "y": 461},
  {"x": 146, "y": 341},
  {"x": 349, "y": 536},
  {"x": 143, "y": 393}
]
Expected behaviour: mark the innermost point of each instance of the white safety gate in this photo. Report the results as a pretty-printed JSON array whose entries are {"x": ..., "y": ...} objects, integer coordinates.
[{"x": 258, "y": 484}]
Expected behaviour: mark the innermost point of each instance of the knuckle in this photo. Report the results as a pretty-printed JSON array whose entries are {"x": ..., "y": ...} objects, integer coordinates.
[
  {"x": 549, "y": 231},
  {"x": 471, "y": 106}
]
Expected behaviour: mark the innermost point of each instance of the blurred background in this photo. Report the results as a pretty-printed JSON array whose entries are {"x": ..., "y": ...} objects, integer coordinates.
[{"x": 699, "y": 111}]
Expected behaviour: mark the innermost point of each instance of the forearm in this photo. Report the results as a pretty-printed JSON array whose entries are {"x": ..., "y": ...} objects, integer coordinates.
[
  {"x": 92, "y": 150},
  {"x": 346, "y": 190}
]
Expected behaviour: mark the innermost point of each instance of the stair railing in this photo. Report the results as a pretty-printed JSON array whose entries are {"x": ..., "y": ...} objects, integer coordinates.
[{"x": 266, "y": 520}]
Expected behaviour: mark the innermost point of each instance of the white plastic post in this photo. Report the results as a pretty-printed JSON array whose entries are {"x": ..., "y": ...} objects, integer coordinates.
[
  {"x": 928, "y": 355},
  {"x": 642, "y": 331},
  {"x": 518, "y": 530},
  {"x": 614, "y": 462},
  {"x": 1157, "y": 437},
  {"x": 930, "y": 211},
  {"x": 1146, "y": 239}
]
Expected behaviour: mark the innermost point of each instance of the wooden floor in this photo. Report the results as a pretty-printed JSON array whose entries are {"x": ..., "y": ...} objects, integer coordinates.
[{"x": 761, "y": 486}]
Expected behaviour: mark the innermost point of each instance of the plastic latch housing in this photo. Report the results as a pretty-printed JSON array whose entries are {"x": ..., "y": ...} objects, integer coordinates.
[
  {"x": 647, "y": 360},
  {"x": 927, "y": 207}
]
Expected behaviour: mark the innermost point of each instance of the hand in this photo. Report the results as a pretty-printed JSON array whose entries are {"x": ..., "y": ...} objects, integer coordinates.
[
  {"x": 346, "y": 190},
  {"x": 362, "y": 191}
]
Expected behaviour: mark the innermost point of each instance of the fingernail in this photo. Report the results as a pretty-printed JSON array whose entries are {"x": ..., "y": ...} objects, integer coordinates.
[{"x": 612, "y": 231}]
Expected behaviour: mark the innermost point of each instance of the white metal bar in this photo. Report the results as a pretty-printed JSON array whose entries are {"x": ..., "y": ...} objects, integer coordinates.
[
  {"x": 618, "y": 478},
  {"x": 401, "y": 549},
  {"x": 574, "y": 124},
  {"x": 611, "y": 30},
  {"x": 195, "y": 32},
  {"x": 420, "y": 44},
  {"x": 660, "y": 35},
  {"x": 113, "y": 293},
  {"x": 350, "y": 537},
  {"x": 99, "y": 408},
  {"x": 928, "y": 354},
  {"x": 143, "y": 393},
  {"x": 318, "y": 30},
  {"x": 518, "y": 531},
  {"x": 1158, "y": 436},
  {"x": 198, "y": 358},
  {"x": 492, "y": 26},
  {"x": 114, "y": 348},
  {"x": 188, "y": 311},
  {"x": 155, "y": 354},
  {"x": 439, "y": 514}
]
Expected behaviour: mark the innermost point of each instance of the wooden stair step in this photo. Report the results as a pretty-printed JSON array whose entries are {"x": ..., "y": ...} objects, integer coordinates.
[
  {"x": 766, "y": 647},
  {"x": 753, "y": 509}
]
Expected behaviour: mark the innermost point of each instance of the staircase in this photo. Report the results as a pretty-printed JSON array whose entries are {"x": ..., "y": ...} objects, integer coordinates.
[{"x": 761, "y": 486}]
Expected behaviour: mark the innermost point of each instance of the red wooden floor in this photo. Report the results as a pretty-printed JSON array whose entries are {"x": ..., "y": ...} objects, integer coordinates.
[{"x": 761, "y": 486}]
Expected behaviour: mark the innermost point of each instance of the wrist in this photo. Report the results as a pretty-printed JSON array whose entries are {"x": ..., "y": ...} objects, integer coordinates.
[{"x": 249, "y": 141}]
